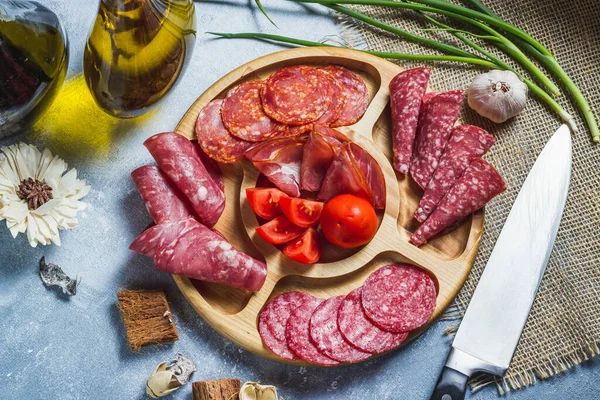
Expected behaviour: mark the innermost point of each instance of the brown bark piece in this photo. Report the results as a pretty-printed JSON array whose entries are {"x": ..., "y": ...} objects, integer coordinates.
[
  {"x": 220, "y": 389},
  {"x": 147, "y": 318}
]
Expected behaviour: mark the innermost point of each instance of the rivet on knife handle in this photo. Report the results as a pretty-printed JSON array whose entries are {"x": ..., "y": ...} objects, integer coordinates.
[{"x": 450, "y": 386}]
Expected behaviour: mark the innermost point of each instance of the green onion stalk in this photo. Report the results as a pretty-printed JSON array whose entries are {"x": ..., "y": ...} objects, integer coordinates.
[
  {"x": 382, "y": 54},
  {"x": 473, "y": 17}
]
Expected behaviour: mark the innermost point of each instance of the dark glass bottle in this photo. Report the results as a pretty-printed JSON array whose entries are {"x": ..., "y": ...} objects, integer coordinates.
[
  {"x": 136, "y": 51},
  {"x": 33, "y": 62}
]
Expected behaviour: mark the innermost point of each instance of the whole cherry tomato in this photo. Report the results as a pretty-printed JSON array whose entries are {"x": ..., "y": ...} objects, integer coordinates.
[{"x": 348, "y": 221}]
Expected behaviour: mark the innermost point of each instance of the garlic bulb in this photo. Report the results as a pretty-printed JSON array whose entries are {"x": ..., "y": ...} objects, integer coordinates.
[
  {"x": 256, "y": 391},
  {"x": 497, "y": 95}
]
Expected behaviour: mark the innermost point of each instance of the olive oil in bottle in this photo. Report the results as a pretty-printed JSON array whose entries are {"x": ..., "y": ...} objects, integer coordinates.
[
  {"x": 136, "y": 51},
  {"x": 33, "y": 62}
]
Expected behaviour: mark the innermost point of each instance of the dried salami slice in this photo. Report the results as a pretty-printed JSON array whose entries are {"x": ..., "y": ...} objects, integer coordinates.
[
  {"x": 279, "y": 160},
  {"x": 190, "y": 249},
  {"x": 178, "y": 158},
  {"x": 296, "y": 95},
  {"x": 214, "y": 138},
  {"x": 243, "y": 114},
  {"x": 359, "y": 331},
  {"x": 326, "y": 336},
  {"x": 212, "y": 167},
  {"x": 297, "y": 334},
  {"x": 273, "y": 319},
  {"x": 436, "y": 120},
  {"x": 399, "y": 297},
  {"x": 277, "y": 311},
  {"x": 295, "y": 130},
  {"x": 406, "y": 94},
  {"x": 164, "y": 202},
  {"x": 321, "y": 147},
  {"x": 338, "y": 100},
  {"x": 478, "y": 184},
  {"x": 354, "y": 92},
  {"x": 466, "y": 143}
]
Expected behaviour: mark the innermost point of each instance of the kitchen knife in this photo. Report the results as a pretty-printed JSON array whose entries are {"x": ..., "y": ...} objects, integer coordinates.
[{"x": 490, "y": 330}]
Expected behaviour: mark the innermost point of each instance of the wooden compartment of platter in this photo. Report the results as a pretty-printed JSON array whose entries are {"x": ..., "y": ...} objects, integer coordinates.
[{"x": 232, "y": 312}]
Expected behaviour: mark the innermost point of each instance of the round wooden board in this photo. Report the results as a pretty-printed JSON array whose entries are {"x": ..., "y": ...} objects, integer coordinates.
[{"x": 232, "y": 312}]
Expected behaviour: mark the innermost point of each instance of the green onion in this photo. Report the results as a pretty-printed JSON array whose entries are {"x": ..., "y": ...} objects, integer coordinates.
[
  {"x": 552, "y": 65},
  {"x": 262, "y": 9},
  {"x": 382, "y": 54}
]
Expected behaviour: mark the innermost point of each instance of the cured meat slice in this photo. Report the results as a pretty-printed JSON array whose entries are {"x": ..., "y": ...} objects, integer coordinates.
[
  {"x": 354, "y": 93},
  {"x": 321, "y": 147},
  {"x": 212, "y": 167},
  {"x": 372, "y": 174},
  {"x": 296, "y": 95},
  {"x": 178, "y": 159},
  {"x": 190, "y": 249},
  {"x": 338, "y": 100},
  {"x": 164, "y": 202},
  {"x": 326, "y": 336},
  {"x": 479, "y": 184},
  {"x": 406, "y": 93},
  {"x": 399, "y": 297},
  {"x": 273, "y": 319},
  {"x": 436, "y": 120},
  {"x": 359, "y": 331},
  {"x": 467, "y": 142},
  {"x": 214, "y": 138},
  {"x": 297, "y": 334},
  {"x": 279, "y": 160},
  {"x": 354, "y": 171},
  {"x": 295, "y": 130},
  {"x": 243, "y": 114}
]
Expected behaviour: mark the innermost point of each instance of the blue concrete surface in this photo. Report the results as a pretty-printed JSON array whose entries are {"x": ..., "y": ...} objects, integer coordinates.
[{"x": 57, "y": 348}]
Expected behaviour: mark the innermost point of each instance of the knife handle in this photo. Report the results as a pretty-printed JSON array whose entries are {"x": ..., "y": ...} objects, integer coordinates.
[{"x": 451, "y": 385}]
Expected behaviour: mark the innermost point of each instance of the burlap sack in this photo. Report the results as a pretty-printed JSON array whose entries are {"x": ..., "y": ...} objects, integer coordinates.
[{"x": 564, "y": 326}]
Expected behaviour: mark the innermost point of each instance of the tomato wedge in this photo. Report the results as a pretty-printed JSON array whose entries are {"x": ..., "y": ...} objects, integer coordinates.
[
  {"x": 304, "y": 213},
  {"x": 306, "y": 249},
  {"x": 279, "y": 230},
  {"x": 265, "y": 201}
]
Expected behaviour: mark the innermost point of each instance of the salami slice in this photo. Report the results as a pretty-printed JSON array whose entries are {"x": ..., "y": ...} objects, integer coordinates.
[
  {"x": 296, "y": 95},
  {"x": 273, "y": 319},
  {"x": 279, "y": 160},
  {"x": 212, "y": 167},
  {"x": 399, "y": 297},
  {"x": 297, "y": 334},
  {"x": 354, "y": 171},
  {"x": 359, "y": 331},
  {"x": 295, "y": 130},
  {"x": 338, "y": 100},
  {"x": 406, "y": 94},
  {"x": 479, "y": 184},
  {"x": 214, "y": 138},
  {"x": 164, "y": 202},
  {"x": 354, "y": 93},
  {"x": 326, "y": 336},
  {"x": 467, "y": 142},
  {"x": 178, "y": 159},
  {"x": 321, "y": 147},
  {"x": 243, "y": 114},
  {"x": 190, "y": 249},
  {"x": 436, "y": 120}
]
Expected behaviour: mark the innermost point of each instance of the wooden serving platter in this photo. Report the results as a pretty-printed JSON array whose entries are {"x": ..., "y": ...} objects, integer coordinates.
[{"x": 232, "y": 312}]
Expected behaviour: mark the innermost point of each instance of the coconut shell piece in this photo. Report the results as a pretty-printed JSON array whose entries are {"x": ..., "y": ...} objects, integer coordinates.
[{"x": 147, "y": 318}]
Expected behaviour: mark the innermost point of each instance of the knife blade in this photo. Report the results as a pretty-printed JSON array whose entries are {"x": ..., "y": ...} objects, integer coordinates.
[{"x": 491, "y": 327}]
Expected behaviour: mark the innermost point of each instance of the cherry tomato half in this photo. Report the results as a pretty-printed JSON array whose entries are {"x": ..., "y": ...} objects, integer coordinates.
[
  {"x": 279, "y": 230},
  {"x": 306, "y": 249},
  {"x": 304, "y": 213},
  {"x": 265, "y": 201},
  {"x": 348, "y": 221}
]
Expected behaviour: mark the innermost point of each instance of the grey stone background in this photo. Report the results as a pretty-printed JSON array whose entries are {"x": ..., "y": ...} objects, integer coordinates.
[{"x": 57, "y": 348}]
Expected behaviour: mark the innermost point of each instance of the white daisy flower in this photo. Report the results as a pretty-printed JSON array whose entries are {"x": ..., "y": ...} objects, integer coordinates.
[{"x": 36, "y": 196}]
